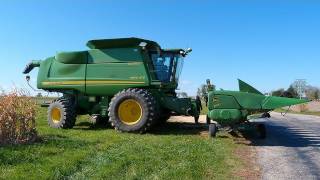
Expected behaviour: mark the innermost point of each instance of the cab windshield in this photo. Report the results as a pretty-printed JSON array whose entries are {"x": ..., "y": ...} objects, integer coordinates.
[{"x": 167, "y": 66}]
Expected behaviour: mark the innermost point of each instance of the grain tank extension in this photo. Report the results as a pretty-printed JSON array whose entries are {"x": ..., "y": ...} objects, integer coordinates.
[{"x": 130, "y": 82}]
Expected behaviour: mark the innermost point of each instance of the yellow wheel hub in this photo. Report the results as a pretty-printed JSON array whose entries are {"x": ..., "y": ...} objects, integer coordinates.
[
  {"x": 130, "y": 112},
  {"x": 56, "y": 115}
]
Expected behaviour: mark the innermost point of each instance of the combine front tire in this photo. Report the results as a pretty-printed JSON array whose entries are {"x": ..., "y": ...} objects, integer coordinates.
[
  {"x": 61, "y": 113},
  {"x": 132, "y": 110}
]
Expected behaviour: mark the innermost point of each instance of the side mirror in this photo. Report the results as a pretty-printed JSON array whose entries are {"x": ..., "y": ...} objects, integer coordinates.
[
  {"x": 189, "y": 50},
  {"x": 186, "y": 52}
]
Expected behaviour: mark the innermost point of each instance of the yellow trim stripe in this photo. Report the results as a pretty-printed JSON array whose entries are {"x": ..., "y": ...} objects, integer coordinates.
[
  {"x": 128, "y": 63},
  {"x": 114, "y": 82},
  {"x": 91, "y": 82},
  {"x": 64, "y": 83}
]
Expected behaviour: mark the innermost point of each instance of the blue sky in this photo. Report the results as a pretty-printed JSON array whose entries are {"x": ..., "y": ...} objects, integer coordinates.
[{"x": 269, "y": 44}]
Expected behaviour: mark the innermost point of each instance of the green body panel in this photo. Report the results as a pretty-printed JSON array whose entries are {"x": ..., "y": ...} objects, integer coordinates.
[
  {"x": 109, "y": 71},
  {"x": 273, "y": 102},
  {"x": 223, "y": 102},
  {"x": 225, "y": 116},
  {"x": 235, "y": 99},
  {"x": 94, "y": 72},
  {"x": 80, "y": 57},
  {"x": 181, "y": 106},
  {"x": 119, "y": 43},
  {"x": 54, "y": 75},
  {"x": 235, "y": 106},
  {"x": 115, "y": 55},
  {"x": 244, "y": 87},
  {"x": 94, "y": 76}
]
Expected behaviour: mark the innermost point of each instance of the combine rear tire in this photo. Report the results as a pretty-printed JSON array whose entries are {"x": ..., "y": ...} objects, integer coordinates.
[
  {"x": 132, "y": 110},
  {"x": 61, "y": 113}
]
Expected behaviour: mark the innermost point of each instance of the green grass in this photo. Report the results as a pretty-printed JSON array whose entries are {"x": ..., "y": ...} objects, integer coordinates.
[
  {"x": 295, "y": 112},
  {"x": 85, "y": 152}
]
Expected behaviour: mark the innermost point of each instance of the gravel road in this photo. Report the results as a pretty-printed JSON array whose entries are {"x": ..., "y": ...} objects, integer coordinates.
[{"x": 291, "y": 149}]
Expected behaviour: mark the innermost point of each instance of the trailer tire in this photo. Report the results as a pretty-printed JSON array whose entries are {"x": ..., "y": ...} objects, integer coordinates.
[
  {"x": 212, "y": 130},
  {"x": 132, "y": 110},
  {"x": 61, "y": 113}
]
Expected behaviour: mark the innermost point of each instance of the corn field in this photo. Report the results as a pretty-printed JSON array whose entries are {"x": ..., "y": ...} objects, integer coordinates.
[{"x": 17, "y": 118}]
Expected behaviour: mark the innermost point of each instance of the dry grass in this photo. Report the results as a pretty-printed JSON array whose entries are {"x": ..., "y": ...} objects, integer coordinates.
[
  {"x": 303, "y": 108},
  {"x": 17, "y": 118}
]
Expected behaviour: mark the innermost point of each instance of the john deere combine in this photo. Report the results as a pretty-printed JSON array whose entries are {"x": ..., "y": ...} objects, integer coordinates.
[{"x": 129, "y": 81}]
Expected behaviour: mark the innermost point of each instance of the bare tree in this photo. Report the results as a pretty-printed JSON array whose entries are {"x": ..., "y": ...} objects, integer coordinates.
[
  {"x": 300, "y": 86},
  {"x": 278, "y": 92},
  {"x": 312, "y": 92}
]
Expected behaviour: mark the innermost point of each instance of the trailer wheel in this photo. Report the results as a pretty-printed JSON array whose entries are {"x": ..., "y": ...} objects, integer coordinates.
[
  {"x": 132, "y": 110},
  {"x": 212, "y": 130},
  {"x": 261, "y": 129},
  {"x": 61, "y": 113}
]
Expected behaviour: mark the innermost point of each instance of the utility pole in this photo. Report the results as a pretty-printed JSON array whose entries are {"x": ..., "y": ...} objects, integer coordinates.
[{"x": 300, "y": 86}]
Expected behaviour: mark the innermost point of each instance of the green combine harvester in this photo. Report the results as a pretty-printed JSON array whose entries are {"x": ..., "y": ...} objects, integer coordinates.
[{"x": 131, "y": 83}]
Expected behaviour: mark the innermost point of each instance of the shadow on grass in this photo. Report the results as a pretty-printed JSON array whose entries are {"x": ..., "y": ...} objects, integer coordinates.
[
  {"x": 277, "y": 135},
  {"x": 91, "y": 126},
  {"x": 179, "y": 128},
  {"x": 173, "y": 128}
]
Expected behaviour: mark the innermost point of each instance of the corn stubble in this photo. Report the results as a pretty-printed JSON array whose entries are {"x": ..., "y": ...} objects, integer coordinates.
[{"x": 17, "y": 118}]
